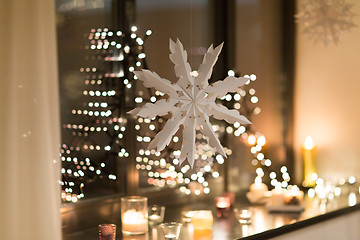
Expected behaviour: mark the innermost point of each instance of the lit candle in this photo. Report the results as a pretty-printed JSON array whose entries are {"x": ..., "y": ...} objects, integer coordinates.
[
  {"x": 156, "y": 214},
  {"x": 258, "y": 189},
  {"x": 222, "y": 206},
  {"x": 134, "y": 222},
  {"x": 243, "y": 215},
  {"x": 310, "y": 175},
  {"x": 202, "y": 219},
  {"x": 170, "y": 237},
  {"x": 154, "y": 217}
]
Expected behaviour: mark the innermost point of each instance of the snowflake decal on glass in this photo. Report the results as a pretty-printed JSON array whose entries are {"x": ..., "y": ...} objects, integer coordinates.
[
  {"x": 326, "y": 19},
  {"x": 190, "y": 101}
]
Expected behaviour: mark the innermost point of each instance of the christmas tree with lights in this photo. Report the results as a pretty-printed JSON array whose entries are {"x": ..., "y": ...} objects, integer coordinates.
[{"x": 95, "y": 139}]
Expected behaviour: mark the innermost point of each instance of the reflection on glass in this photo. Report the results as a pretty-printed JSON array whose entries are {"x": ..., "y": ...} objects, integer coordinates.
[
  {"x": 245, "y": 230},
  {"x": 322, "y": 207},
  {"x": 278, "y": 221},
  {"x": 205, "y": 234},
  {"x": 258, "y": 221},
  {"x": 136, "y": 237},
  {"x": 352, "y": 199}
]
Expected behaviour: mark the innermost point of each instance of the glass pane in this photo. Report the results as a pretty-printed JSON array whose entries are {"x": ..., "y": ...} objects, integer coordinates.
[
  {"x": 259, "y": 51},
  {"x": 88, "y": 151}
]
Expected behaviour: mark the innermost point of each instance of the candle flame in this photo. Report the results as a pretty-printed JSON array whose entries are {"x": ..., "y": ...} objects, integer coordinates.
[{"x": 309, "y": 143}]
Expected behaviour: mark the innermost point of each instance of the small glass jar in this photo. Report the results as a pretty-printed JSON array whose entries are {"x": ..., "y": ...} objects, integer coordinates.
[
  {"x": 107, "y": 231},
  {"x": 170, "y": 231},
  {"x": 222, "y": 206},
  {"x": 156, "y": 215},
  {"x": 134, "y": 215}
]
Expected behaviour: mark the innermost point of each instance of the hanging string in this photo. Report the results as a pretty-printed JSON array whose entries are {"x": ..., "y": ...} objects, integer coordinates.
[{"x": 191, "y": 34}]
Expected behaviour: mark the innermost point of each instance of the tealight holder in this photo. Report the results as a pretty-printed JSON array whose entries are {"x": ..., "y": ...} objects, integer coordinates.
[
  {"x": 107, "y": 231},
  {"x": 156, "y": 214},
  {"x": 134, "y": 215},
  {"x": 170, "y": 231},
  {"x": 222, "y": 206},
  {"x": 243, "y": 215},
  {"x": 186, "y": 216}
]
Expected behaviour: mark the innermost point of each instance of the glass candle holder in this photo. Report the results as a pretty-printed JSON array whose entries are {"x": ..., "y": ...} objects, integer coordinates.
[
  {"x": 186, "y": 216},
  {"x": 134, "y": 215},
  {"x": 222, "y": 206},
  {"x": 170, "y": 231},
  {"x": 107, "y": 231},
  {"x": 243, "y": 215},
  {"x": 156, "y": 214},
  {"x": 202, "y": 219}
]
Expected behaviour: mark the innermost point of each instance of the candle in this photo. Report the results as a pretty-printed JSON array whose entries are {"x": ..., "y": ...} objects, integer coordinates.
[
  {"x": 258, "y": 189},
  {"x": 156, "y": 214},
  {"x": 202, "y": 219},
  {"x": 243, "y": 215},
  {"x": 310, "y": 175},
  {"x": 202, "y": 234},
  {"x": 277, "y": 196},
  {"x": 170, "y": 237},
  {"x": 222, "y": 206},
  {"x": 134, "y": 222},
  {"x": 154, "y": 217},
  {"x": 170, "y": 231}
]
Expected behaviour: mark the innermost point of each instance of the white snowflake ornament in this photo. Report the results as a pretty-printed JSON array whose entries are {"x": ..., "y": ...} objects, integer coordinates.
[
  {"x": 191, "y": 101},
  {"x": 326, "y": 19}
]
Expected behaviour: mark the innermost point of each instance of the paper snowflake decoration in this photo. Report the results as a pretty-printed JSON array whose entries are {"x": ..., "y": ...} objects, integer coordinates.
[
  {"x": 325, "y": 19},
  {"x": 190, "y": 101}
]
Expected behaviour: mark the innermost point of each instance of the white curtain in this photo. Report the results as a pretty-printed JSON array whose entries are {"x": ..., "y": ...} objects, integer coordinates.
[{"x": 29, "y": 122}]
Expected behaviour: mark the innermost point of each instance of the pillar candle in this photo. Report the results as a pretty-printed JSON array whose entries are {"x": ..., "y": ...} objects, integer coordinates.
[
  {"x": 134, "y": 222},
  {"x": 258, "y": 189},
  {"x": 309, "y": 163}
]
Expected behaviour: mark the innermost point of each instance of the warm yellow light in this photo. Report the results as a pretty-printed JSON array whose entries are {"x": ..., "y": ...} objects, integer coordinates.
[
  {"x": 310, "y": 175},
  {"x": 251, "y": 139},
  {"x": 261, "y": 140},
  {"x": 309, "y": 143}
]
